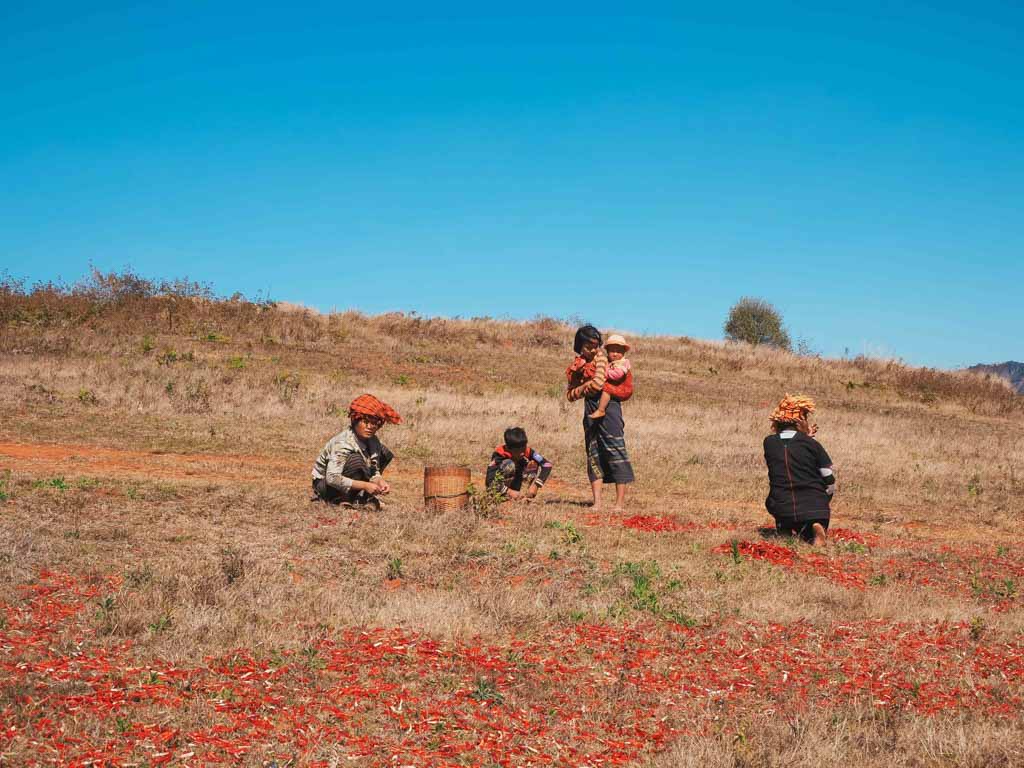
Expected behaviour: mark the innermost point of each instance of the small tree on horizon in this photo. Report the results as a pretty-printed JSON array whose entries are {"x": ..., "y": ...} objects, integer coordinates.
[{"x": 755, "y": 321}]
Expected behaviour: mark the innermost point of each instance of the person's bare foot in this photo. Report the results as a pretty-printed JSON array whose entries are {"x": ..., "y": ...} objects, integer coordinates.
[
  {"x": 618, "y": 510},
  {"x": 598, "y": 414},
  {"x": 820, "y": 537}
]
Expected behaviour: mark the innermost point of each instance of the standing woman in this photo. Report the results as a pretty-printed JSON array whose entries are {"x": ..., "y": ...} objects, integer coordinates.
[{"x": 605, "y": 439}]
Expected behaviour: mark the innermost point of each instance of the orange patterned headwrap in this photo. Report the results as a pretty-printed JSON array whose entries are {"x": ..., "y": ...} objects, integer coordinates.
[
  {"x": 368, "y": 405},
  {"x": 792, "y": 408}
]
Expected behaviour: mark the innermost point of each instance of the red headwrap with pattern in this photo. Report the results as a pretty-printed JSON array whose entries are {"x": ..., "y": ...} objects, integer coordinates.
[
  {"x": 368, "y": 405},
  {"x": 791, "y": 409}
]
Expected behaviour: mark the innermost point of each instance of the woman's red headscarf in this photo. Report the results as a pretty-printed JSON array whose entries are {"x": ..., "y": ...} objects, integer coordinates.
[
  {"x": 368, "y": 405},
  {"x": 791, "y": 409}
]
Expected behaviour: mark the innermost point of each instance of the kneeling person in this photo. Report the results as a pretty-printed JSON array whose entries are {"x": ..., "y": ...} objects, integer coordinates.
[
  {"x": 801, "y": 477},
  {"x": 349, "y": 468},
  {"x": 517, "y": 471}
]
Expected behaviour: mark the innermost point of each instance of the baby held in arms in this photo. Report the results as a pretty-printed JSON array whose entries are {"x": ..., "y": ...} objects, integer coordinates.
[{"x": 616, "y": 372}]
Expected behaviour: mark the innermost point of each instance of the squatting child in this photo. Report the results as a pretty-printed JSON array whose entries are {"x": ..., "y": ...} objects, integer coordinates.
[{"x": 517, "y": 471}]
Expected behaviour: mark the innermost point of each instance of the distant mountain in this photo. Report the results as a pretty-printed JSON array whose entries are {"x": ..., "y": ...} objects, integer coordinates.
[{"x": 1009, "y": 370}]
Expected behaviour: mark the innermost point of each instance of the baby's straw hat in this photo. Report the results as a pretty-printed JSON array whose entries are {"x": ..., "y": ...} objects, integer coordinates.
[{"x": 616, "y": 340}]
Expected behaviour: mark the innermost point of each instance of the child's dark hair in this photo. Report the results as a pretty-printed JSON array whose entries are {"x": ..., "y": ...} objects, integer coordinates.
[
  {"x": 515, "y": 437},
  {"x": 584, "y": 334}
]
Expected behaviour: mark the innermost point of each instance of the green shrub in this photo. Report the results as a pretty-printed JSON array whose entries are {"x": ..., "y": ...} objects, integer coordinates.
[
  {"x": 54, "y": 482},
  {"x": 755, "y": 321},
  {"x": 394, "y": 569}
]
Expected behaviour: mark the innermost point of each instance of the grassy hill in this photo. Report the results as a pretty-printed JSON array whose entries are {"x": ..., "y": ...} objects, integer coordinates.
[{"x": 155, "y": 447}]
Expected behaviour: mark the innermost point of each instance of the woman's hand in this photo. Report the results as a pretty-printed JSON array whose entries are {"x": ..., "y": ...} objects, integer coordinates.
[{"x": 374, "y": 487}]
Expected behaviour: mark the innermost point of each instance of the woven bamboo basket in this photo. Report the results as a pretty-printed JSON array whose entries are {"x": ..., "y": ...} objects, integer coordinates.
[{"x": 445, "y": 489}]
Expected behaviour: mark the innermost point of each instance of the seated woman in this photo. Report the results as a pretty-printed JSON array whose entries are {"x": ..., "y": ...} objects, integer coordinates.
[
  {"x": 350, "y": 466},
  {"x": 800, "y": 474}
]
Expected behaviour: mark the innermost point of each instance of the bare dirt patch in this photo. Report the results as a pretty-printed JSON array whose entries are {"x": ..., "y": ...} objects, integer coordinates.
[{"x": 89, "y": 460}]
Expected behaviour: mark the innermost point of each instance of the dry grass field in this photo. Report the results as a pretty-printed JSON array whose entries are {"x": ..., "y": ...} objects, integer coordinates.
[{"x": 169, "y": 594}]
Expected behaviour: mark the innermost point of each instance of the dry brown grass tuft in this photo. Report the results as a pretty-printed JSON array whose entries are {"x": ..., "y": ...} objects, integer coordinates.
[{"x": 861, "y": 737}]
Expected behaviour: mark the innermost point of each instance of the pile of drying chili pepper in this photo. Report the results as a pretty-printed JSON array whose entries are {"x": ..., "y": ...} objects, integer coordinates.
[
  {"x": 993, "y": 574},
  {"x": 579, "y": 695},
  {"x": 670, "y": 524}
]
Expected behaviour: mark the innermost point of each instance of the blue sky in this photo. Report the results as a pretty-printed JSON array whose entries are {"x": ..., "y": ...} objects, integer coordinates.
[{"x": 861, "y": 165}]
